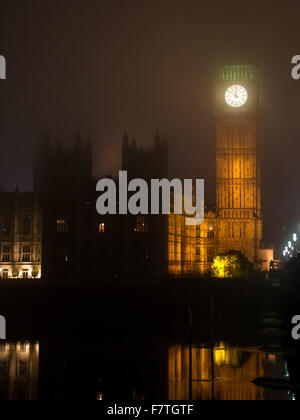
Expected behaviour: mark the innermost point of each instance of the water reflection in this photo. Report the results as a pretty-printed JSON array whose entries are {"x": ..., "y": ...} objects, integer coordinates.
[
  {"x": 222, "y": 373},
  {"x": 19, "y": 370},
  {"x": 152, "y": 370}
]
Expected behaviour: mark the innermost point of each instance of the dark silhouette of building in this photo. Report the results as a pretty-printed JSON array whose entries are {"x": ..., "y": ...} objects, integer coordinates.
[
  {"x": 64, "y": 184},
  {"x": 78, "y": 244},
  {"x": 148, "y": 233}
]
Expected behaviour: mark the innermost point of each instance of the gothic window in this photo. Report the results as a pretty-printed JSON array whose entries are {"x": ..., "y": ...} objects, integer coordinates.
[
  {"x": 211, "y": 233},
  {"x": 24, "y": 347},
  {"x": 210, "y": 254},
  {"x": 62, "y": 225},
  {"x": 198, "y": 254},
  {"x": 102, "y": 228},
  {"x": 25, "y": 274},
  {"x": 6, "y": 253},
  {"x": 27, "y": 225},
  {"x": 26, "y": 253},
  {"x": 141, "y": 226},
  {"x": 5, "y": 274},
  {"x": 6, "y": 258}
]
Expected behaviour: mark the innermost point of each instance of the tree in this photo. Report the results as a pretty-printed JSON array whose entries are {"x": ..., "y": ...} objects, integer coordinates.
[{"x": 232, "y": 264}]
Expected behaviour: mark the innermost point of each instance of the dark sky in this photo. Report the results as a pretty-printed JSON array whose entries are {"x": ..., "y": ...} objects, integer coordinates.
[{"x": 103, "y": 66}]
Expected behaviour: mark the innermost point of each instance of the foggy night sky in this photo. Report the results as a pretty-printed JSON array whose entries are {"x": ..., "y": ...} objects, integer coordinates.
[{"x": 104, "y": 66}]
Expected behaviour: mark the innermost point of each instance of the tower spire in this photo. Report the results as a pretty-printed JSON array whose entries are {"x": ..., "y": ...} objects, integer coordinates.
[
  {"x": 134, "y": 142},
  {"x": 59, "y": 147},
  {"x": 78, "y": 143}
]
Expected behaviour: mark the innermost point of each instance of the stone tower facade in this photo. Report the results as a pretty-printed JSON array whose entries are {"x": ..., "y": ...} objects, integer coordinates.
[
  {"x": 235, "y": 224},
  {"x": 238, "y": 166}
]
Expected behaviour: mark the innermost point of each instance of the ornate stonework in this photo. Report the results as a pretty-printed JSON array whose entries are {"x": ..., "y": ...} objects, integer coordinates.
[{"x": 236, "y": 223}]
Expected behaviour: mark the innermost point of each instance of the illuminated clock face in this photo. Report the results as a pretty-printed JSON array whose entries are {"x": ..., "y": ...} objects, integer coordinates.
[{"x": 236, "y": 96}]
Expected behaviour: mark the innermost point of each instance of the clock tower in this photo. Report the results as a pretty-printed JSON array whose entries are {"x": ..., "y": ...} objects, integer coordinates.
[{"x": 238, "y": 167}]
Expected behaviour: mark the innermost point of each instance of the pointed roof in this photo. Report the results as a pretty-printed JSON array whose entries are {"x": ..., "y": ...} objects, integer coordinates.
[
  {"x": 78, "y": 142},
  {"x": 88, "y": 144},
  {"x": 59, "y": 147}
]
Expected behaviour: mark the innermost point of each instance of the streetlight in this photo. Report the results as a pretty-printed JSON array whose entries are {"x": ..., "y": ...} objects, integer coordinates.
[{"x": 295, "y": 238}]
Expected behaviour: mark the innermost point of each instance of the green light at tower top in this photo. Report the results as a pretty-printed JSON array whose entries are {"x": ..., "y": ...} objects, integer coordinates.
[{"x": 239, "y": 73}]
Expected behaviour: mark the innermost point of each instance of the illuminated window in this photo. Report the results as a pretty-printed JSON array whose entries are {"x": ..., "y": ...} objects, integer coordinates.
[
  {"x": 25, "y": 274},
  {"x": 102, "y": 228},
  {"x": 23, "y": 347},
  {"x": 62, "y": 225},
  {"x": 211, "y": 233},
  {"x": 26, "y": 255},
  {"x": 5, "y": 274},
  {"x": 141, "y": 226},
  {"x": 198, "y": 254},
  {"x": 99, "y": 396}
]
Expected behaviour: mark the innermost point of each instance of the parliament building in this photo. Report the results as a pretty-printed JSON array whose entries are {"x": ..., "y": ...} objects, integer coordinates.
[{"x": 55, "y": 232}]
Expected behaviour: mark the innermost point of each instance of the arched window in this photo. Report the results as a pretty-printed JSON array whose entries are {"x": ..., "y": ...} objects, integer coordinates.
[
  {"x": 62, "y": 225},
  {"x": 102, "y": 228},
  {"x": 27, "y": 225}
]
